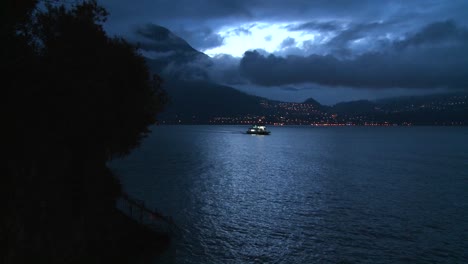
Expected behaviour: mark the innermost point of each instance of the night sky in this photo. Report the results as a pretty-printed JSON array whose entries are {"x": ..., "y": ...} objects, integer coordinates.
[{"x": 332, "y": 50}]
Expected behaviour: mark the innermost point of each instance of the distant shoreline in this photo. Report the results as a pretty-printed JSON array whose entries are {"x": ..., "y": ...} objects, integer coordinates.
[{"x": 315, "y": 125}]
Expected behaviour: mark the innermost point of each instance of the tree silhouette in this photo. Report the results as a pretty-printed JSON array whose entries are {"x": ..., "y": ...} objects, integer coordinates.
[{"x": 74, "y": 98}]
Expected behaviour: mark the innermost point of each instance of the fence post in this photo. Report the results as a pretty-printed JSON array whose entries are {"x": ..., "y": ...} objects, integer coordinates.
[
  {"x": 141, "y": 215},
  {"x": 154, "y": 217}
]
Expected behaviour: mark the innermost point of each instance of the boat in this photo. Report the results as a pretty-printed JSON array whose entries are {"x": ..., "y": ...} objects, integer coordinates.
[{"x": 258, "y": 130}]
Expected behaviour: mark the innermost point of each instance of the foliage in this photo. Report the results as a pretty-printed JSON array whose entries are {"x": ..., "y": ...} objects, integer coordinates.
[
  {"x": 73, "y": 98},
  {"x": 98, "y": 89}
]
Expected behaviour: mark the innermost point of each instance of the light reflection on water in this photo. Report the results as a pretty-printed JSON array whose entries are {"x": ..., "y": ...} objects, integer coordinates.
[{"x": 307, "y": 195}]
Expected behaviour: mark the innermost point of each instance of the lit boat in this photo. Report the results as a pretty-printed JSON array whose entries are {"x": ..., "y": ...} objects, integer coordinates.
[{"x": 258, "y": 130}]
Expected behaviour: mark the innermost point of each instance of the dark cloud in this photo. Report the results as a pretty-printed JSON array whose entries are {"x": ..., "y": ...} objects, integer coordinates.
[
  {"x": 169, "y": 55},
  {"x": 346, "y": 40},
  {"x": 180, "y": 10},
  {"x": 242, "y": 31},
  {"x": 287, "y": 42},
  {"x": 151, "y": 37},
  {"x": 200, "y": 38},
  {"x": 316, "y": 26},
  {"x": 411, "y": 65},
  {"x": 202, "y": 18},
  {"x": 289, "y": 88},
  {"x": 225, "y": 70},
  {"x": 373, "y": 36},
  {"x": 445, "y": 32}
]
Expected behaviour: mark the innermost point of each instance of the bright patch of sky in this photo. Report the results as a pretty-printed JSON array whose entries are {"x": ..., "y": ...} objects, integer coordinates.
[{"x": 264, "y": 36}]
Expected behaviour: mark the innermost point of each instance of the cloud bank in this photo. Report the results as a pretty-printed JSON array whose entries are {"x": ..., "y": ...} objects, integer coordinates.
[{"x": 434, "y": 57}]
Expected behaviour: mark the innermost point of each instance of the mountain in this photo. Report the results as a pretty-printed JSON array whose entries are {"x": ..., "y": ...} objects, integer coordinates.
[
  {"x": 202, "y": 101},
  {"x": 438, "y": 109},
  {"x": 312, "y": 101},
  {"x": 353, "y": 107},
  {"x": 171, "y": 56}
]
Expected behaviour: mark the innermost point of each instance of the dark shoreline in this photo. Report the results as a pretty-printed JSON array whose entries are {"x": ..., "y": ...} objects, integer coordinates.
[
  {"x": 119, "y": 239},
  {"x": 132, "y": 240}
]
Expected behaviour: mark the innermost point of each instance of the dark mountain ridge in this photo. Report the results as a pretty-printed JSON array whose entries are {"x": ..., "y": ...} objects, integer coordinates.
[{"x": 201, "y": 101}]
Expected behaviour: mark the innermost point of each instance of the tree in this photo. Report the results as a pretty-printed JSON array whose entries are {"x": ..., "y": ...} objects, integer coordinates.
[
  {"x": 75, "y": 98},
  {"x": 101, "y": 85}
]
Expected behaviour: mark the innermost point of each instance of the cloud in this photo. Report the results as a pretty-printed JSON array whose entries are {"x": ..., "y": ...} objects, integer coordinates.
[
  {"x": 154, "y": 38},
  {"x": 170, "y": 55},
  {"x": 290, "y": 88},
  {"x": 315, "y": 26},
  {"x": 287, "y": 42},
  {"x": 407, "y": 63},
  {"x": 365, "y": 22},
  {"x": 328, "y": 14},
  {"x": 242, "y": 30},
  {"x": 225, "y": 70},
  {"x": 201, "y": 38},
  {"x": 444, "y": 32},
  {"x": 358, "y": 38}
]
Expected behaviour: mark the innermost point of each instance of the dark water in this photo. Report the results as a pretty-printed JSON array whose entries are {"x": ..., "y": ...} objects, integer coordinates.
[{"x": 307, "y": 194}]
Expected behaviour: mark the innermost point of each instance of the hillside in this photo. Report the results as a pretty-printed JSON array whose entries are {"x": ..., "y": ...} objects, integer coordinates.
[
  {"x": 438, "y": 109},
  {"x": 200, "y": 101}
]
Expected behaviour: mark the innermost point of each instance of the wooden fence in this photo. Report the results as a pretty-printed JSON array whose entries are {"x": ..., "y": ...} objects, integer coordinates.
[{"x": 137, "y": 210}]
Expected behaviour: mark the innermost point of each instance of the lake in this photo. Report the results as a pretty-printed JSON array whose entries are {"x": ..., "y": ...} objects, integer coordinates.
[{"x": 306, "y": 194}]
